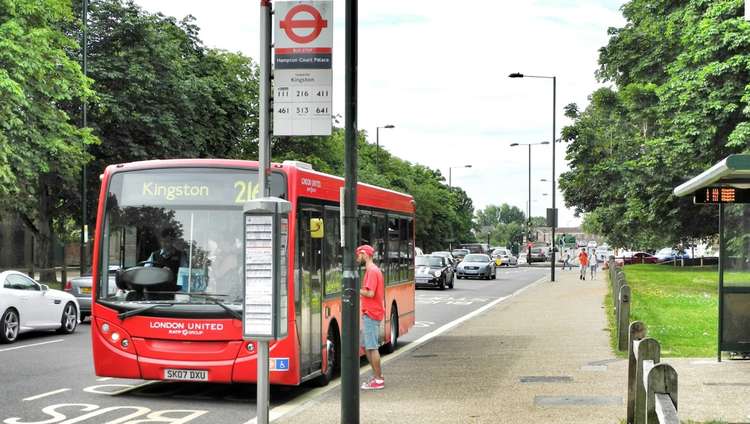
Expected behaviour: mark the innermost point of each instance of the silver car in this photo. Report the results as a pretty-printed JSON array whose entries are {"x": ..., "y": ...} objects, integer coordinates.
[
  {"x": 476, "y": 265},
  {"x": 80, "y": 287},
  {"x": 504, "y": 257}
]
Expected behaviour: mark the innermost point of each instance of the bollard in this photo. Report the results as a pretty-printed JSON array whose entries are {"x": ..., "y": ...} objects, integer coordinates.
[
  {"x": 661, "y": 379},
  {"x": 623, "y": 318},
  {"x": 637, "y": 332},
  {"x": 644, "y": 350}
]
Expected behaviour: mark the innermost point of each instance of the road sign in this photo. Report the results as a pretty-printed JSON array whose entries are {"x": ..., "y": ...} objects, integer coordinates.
[{"x": 303, "y": 32}]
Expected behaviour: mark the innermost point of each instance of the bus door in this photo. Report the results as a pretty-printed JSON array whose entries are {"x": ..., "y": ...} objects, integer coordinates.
[{"x": 308, "y": 293}]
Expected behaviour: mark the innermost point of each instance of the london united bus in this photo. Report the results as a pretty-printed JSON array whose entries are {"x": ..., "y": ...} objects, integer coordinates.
[{"x": 173, "y": 230}]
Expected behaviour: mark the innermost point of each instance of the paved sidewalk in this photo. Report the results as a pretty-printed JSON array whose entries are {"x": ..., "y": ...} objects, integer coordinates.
[{"x": 542, "y": 356}]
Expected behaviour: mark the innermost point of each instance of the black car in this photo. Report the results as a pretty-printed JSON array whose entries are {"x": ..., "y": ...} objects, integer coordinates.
[
  {"x": 433, "y": 271},
  {"x": 451, "y": 260}
]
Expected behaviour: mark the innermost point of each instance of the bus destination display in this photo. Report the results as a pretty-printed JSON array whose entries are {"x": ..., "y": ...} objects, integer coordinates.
[{"x": 716, "y": 195}]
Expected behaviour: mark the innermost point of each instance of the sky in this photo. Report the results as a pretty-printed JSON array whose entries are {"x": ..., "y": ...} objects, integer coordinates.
[{"x": 438, "y": 71}]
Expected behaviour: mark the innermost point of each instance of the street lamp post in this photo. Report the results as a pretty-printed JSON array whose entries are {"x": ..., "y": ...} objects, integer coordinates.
[
  {"x": 450, "y": 168},
  {"x": 528, "y": 211},
  {"x": 377, "y": 143},
  {"x": 554, "y": 138}
]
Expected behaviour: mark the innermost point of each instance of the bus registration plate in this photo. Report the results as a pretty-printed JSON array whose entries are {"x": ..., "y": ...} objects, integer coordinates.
[{"x": 185, "y": 375}]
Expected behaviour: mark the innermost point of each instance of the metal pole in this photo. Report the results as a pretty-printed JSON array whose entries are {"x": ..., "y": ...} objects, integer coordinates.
[
  {"x": 377, "y": 144},
  {"x": 84, "y": 199},
  {"x": 264, "y": 149},
  {"x": 264, "y": 130},
  {"x": 554, "y": 190},
  {"x": 722, "y": 255},
  {"x": 350, "y": 298},
  {"x": 449, "y": 177}
]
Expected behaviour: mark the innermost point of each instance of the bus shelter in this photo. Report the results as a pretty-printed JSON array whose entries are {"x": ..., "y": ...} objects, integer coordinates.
[{"x": 727, "y": 184}]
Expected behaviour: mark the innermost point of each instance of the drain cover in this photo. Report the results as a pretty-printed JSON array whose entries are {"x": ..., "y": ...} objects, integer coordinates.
[
  {"x": 728, "y": 384},
  {"x": 424, "y": 355},
  {"x": 577, "y": 400},
  {"x": 546, "y": 379}
]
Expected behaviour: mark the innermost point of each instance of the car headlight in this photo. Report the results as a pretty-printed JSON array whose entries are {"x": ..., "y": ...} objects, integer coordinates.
[{"x": 437, "y": 273}]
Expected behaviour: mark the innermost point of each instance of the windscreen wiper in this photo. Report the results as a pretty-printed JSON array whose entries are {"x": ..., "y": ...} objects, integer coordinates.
[
  {"x": 139, "y": 311},
  {"x": 213, "y": 298}
]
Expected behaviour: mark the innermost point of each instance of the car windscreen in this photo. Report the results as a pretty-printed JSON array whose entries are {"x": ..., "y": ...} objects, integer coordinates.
[
  {"x": 185, "y": 220},
  {"x": 477, "y": 258},
  {"x": 431, "y": 261},
  {"x": 460, "y": 252}
]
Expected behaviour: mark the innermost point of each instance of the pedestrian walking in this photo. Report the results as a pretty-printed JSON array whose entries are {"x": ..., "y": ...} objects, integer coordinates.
[
  {"x": 373, "y": 313},
  {"x": 593, "y": 263},
  {"x": 566, "y": 261},
  {"x": 583, "y": 262}
]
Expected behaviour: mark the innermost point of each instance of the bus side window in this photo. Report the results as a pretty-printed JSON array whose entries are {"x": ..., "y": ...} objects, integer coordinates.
[
  {"x": 380, "y": 235},
  {"x": 393, "y": 251},
  {"x": 404, "y": 249},
  {"x": 332, "y": 253}
]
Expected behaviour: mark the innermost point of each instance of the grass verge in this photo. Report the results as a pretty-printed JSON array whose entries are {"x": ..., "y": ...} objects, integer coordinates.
[{"x": 678, "y": 305}]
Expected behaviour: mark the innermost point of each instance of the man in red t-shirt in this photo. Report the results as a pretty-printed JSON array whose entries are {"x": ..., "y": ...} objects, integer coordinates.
[{"x": 372, "y": 313}]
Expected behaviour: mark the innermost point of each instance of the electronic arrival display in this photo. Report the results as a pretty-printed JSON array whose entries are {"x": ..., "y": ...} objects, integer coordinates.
[{"x": 716, "y": 195}]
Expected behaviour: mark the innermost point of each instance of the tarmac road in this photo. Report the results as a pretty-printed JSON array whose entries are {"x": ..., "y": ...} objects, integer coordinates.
[{"x": 48, "y": 378}]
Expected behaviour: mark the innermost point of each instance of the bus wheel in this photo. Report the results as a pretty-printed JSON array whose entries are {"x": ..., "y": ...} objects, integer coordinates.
[
  {"x": 331, "y": 358},
  {"x": 393, "y": 335}
]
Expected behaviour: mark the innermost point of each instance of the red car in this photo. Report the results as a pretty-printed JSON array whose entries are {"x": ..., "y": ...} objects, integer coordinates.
[{"x": 640, "y": 258}]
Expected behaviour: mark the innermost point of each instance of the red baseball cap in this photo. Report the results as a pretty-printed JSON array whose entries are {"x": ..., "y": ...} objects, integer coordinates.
[{"x": 366, "y": 249}]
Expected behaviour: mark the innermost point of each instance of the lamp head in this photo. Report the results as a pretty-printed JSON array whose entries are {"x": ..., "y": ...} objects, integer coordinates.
[
  {"x": 516, "y": 75},
  {"x": 389, "y": 126},
  {"x": 514, "y": 144},
  {"x": 544, "y": 142},
  {"x": 467, "y": 166}
]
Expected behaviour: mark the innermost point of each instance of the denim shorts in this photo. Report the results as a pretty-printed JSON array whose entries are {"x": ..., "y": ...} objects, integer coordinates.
[{"x": 370, "y": 330}]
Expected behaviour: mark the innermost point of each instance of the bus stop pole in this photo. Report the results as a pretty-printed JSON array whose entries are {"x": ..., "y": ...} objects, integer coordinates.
[
  {"x": 722, "y": 256},
  {"x": 264, "y": 150},
  {"x": 350, "y": 298}
]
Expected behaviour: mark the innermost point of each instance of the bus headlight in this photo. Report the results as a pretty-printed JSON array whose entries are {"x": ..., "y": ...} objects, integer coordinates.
[
  {"x": 105, "y": 328},
  {"x": 115, "y": 336},
  {"x": 124, "y": 343}
]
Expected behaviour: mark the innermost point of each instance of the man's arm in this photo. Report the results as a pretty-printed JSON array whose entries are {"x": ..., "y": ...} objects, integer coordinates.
[{"x": 367, "y": 293}]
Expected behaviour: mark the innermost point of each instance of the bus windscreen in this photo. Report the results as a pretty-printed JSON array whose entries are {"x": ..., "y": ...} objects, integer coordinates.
[{"x": 186, "y": 221}]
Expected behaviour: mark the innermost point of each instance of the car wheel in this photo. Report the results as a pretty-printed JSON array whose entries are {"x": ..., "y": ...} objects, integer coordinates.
[
  {"x": 332, "y": 361},
  {"x": 9, "y": 326},
  {"x": 441, "y": 286},
  {"x": 453, "y": 280},
  {"x": 69, "y": 319}
]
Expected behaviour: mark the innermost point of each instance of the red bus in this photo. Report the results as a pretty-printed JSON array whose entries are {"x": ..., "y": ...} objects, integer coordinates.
[{"x": 180, "y": 320}]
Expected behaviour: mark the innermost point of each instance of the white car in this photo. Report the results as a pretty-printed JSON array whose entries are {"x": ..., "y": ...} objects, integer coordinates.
[{"x": 27, "y": 306}]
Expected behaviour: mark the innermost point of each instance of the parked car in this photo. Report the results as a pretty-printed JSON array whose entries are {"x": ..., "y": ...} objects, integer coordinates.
[
  {"x": 459, "y": 254},
  {"x": 504, "y": 257},
  {"x": 640, "y": 258},
  {"x": 447, "y": 255},
  {"x": 538, "y": 254},
  {"x": 670, "y": 254},
  {"x": 80, "y": 287},
  {"x": 433, "y": 271},
  {"x": 27, "y": 305},
  {"x": 476, "y": 265}
]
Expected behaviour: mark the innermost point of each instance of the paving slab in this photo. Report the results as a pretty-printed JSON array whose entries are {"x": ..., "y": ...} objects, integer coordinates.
[{"x": 542, "y": 356}]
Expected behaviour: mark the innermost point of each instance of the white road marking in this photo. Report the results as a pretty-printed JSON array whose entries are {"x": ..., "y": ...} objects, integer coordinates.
[
  {"x": 54, "y": 392},
  {"x": 104, "y": 379},
  {"x": 31, "y": 345},
  {"x": 288, "y": 407},
  {"x": 123, "y": 388}
]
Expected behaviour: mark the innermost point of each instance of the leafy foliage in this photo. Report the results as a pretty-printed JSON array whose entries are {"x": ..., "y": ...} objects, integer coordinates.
[
  {"x": 41, "y": 148},
  {"x": 681, "y": 102}
]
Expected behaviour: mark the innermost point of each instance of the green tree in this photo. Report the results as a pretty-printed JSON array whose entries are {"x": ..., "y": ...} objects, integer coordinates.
[
  {"x": 41, "y": 148},
  {"x": 681, "y": 102},
  {"x": 162, "y": 93}
]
